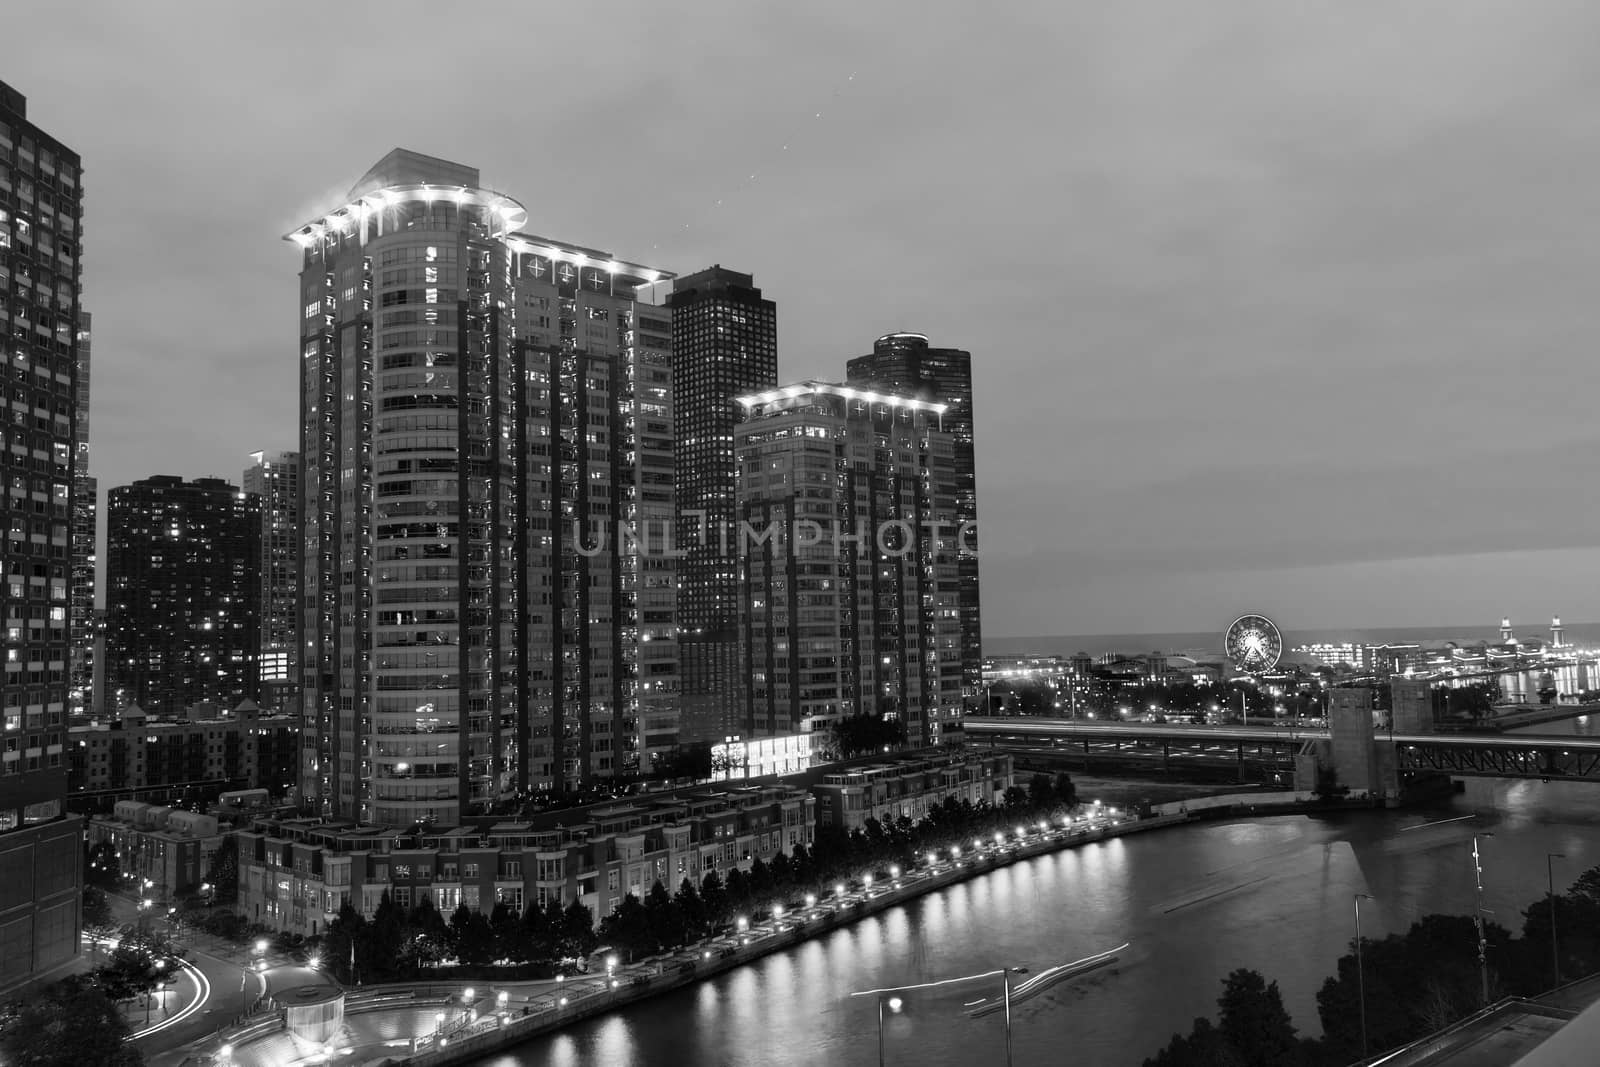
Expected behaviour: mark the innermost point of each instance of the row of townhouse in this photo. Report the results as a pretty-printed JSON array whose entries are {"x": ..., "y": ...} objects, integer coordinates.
[
  {"x": 908, "y": 787},
  {"x": 160, "y": 851},
  {"x": 296, "y": 874}
]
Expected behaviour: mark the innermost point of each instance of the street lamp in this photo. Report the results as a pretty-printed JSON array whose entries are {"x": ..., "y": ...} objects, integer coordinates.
[
  {"x": 1361, "y": 973},
  {"x": 1483, "y": 942},
  {"x": 890, "y": 999},
  {"x": 1555, "y": 951}
]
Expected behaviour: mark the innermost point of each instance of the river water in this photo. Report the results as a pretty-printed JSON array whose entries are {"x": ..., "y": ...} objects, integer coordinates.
[{"x": 1275, "y": 895}]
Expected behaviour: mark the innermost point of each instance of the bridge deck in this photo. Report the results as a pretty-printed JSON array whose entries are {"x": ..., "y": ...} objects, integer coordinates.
[{"x": 1540, "y": 756}]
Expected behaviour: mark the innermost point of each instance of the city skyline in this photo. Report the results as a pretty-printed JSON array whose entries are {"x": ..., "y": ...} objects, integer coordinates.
[{"x": 1265, "y": 318}]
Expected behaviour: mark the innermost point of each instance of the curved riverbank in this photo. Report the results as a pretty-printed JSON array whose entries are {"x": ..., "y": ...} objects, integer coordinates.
[
  {"x": 584, "y": 999},
  {"x": 534, "y": 1009}
]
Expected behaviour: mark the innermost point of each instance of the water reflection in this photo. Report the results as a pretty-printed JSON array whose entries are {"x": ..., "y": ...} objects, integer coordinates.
[{"x": 1273, "y": 895}]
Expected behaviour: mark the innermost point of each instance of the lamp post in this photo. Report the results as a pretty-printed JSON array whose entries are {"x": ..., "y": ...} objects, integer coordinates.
[
  {"x": 1555, "y": 951},
  {"x": 891, "y": 998},
  {"x": 1361, "y": 974},
  {"x": 1483, "y": 942}
]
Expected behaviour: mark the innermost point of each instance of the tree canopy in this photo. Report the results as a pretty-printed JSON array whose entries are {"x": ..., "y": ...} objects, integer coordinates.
[{"x": 72, "y": 1023}]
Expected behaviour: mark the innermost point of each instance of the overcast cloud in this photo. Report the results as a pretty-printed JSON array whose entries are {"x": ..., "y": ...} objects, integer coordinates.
[{"x": 1275, "y": 306}]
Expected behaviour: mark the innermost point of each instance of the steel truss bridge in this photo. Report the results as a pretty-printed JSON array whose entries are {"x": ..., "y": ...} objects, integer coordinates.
[{"x": 1528, "y": 756}]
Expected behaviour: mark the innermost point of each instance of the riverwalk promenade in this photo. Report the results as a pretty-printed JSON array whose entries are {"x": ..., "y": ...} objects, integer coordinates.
[{"x": 434, "y": 1024}]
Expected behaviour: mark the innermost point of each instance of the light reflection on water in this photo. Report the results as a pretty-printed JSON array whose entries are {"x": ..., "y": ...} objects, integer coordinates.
[{"x": 1275, "y": 895}]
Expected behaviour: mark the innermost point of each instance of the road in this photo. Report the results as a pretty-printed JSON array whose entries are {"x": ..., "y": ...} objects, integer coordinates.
[{"x": 213, "y": 989}]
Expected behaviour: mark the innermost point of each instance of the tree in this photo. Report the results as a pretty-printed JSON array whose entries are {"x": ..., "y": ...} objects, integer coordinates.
[
  {"x": 666, "y": 920},
  {"x": 1041, "y": 791},
  {"x": 1254, "y": 1022},
  {"x": 471, "y": 936},
  {"x": 577, "y": 931},
  {"x": 690, "y": 761},
  {"x": 69, "y": 1024},
  {"x": 223, "y": 874},
  {"x": 691, "y": 911},
  {"x": 380, "y": 951},
  {"x": 1413, "y": 980},
  {"x": 1577, "y": 923},
  {"x": 97, "y": 920},
  {"x": 139, "y": 963},
  {"x": 627, "y": 928},
  {"x": 1203, "y": 1046},
  {"x": 738, "y": 889},
  {"x": 1066, "y": 791},
  {"x": 555, "y": 915},
  {"x": 1253, "y": 1030},
  {"x": 427, "y": 936},
  {"x": 856, "y": 735},
  {"x": 760, "y": 884},
  {"x": 714, "y": 895},
  {"x": 345, "y": 935},
  {"x": 536, "y": 936},
  {"x": 508, "y": 941}
]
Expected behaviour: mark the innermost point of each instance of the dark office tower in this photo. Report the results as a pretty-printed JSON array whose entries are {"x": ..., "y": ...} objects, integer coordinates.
[
  {"x": 904, "y": 363},
  {"x": 41, "y": 215},
  {"x": 850, "y": 593},
  {"x": 183, "y": 594},
  {"x": 724, "y": 345},
  {"x": 274, "y": 478},
  {"x": 85, "y": 513},
  {"x": 480, "y": 408}
]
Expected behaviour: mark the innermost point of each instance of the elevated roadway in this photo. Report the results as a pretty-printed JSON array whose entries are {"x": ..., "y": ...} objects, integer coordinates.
[{"x": 1458, "y": 755}]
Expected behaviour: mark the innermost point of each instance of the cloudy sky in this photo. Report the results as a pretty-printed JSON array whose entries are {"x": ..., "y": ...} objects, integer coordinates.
[{"x": 1277, "y": 306}]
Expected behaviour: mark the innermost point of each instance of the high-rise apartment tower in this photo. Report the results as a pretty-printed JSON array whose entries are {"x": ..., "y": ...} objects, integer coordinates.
[
  {"x": 481, "y": 408},
  {"x": 851, "y": 582},
  {"x": 183, "y": 594},
  {"x": 724, "y": 345},
  {"x": 41, "y": 220},
  {"x": 85, "y": 534},
  {"x": 904, "y": 363},
  {"x": 274, "y": 478}
]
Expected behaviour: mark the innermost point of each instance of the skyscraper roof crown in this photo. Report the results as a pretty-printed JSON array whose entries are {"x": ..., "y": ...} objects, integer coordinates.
[{"x": 405, "y": 167}]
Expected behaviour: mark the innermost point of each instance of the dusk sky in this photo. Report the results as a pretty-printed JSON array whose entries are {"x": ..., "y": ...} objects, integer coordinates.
[{"x": 1284, "y": 307}]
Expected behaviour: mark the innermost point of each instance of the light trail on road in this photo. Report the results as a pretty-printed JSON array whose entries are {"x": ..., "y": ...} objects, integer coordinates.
[{"x": 202, "y": 986}]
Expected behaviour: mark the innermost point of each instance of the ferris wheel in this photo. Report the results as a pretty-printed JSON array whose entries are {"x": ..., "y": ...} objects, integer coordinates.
[{"x": 1253, "y": 644}]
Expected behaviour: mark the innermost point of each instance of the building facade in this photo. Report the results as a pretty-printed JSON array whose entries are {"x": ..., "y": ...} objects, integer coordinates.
[
  {"x": 85, "y": 532},
  {"x": 169, "y": 849},
  {"x": 41, "y": 219},
  {"x": 183, "y": 594},
  {"x": 481, "y": 408},
  {"x": 908, "y": 787},
  {"x": 724, "y": 346},
  {"x": 904, "y": 363},
  {"x": 274, "y": 479},
  {"x": 134, "y": 753},
  {"x": 736, "y": 758},
  {"x": 850, "y": 594},
  {"x": 296, "y": 874}
]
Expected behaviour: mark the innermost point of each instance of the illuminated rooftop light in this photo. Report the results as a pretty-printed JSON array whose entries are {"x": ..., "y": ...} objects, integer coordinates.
[{"x": 812, "y": 387}]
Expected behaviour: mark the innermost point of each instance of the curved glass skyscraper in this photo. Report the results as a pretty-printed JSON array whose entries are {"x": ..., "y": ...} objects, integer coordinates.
[{"x": 477, "y": 405}]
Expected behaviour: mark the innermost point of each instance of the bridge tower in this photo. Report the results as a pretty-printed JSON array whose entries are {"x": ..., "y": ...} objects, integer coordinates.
[
  {"x": 1557, "y": 638},
  {"x": 1412, "y": 702},
  {"x": 1506, "y": 636},
  {"x": 1362, "y": 762}
]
